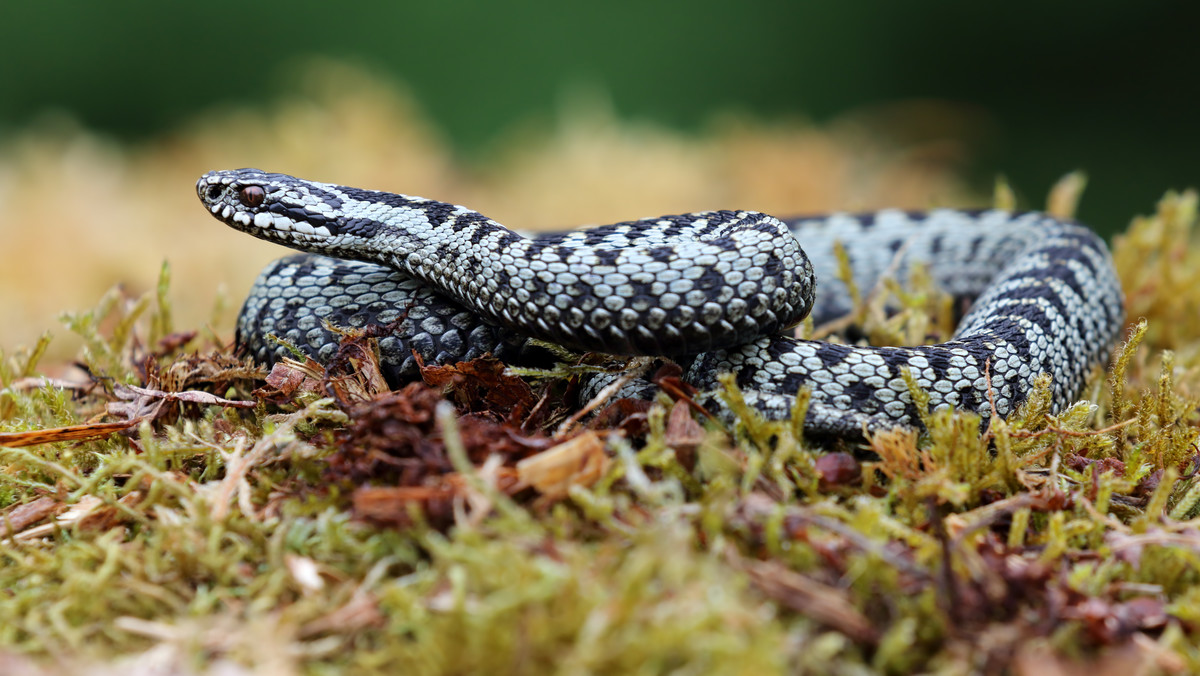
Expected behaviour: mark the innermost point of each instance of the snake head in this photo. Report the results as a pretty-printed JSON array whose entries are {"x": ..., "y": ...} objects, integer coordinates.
[{"x": 274, "y": 207}]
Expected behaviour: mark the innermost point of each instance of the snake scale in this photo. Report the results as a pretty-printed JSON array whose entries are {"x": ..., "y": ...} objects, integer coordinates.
[{"x": 715, "y": 291}]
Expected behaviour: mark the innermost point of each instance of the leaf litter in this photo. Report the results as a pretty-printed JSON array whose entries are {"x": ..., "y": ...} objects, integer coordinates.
[{"x": 177, "y": 500}]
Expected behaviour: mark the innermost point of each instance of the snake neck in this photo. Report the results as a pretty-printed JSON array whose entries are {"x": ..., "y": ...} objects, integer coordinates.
[{"x": 672, "y": 285}]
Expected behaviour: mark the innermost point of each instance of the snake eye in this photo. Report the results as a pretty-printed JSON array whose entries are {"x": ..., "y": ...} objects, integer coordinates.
[{"x": 252, "y": 196}]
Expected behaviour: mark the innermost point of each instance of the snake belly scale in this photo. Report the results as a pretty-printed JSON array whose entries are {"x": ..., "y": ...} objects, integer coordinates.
[{"x": 714, "y": 291}]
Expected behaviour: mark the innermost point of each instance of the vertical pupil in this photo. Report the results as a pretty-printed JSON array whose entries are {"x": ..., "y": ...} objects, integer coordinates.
[{"x": 252, "y": 195}]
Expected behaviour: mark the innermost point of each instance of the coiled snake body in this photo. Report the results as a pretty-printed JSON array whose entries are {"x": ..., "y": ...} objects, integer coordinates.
[{"x": 714, "y": 290}]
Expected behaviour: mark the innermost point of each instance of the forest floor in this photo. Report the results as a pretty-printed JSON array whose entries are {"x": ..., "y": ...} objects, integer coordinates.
[{"x": 171, "y": 508}]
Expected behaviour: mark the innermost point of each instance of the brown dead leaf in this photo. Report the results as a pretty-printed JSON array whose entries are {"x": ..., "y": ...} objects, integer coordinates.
[
  {"x": 191, "y": 396},
  {"x": 104, "y": 517},
  {"x": 837, "y": 469},
  {"x": 393, "y": 438},
  {"x": 289, "y": 378},
  {"x": 395, "y": 506},
  {"x": 684, "y": 434},
  {"x": 627, "y": 415},
  {"x": 481, "y": 384},
  {"x": 1079, "y": 463},
  {"x": 827, "y": 605},
  {"x": 579, "y": 461},
  {"x": 354, "y": 373},
  {"x": 19, "y": 517},
  {"x": 139, "y": 403},
  {"x": 669, "y": 378},
  {"x": 189, "y": 370},
  {"x": 1111, "y": 623},
  {"x": 165, "y": 389},
  {"x": 89, "y": 512}
]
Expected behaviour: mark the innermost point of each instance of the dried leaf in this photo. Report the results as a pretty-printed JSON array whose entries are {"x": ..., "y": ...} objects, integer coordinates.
[
  {"x": 141, "y": 403},
  {"x": 394, "y": 505},
  {"x": 354, "y": 373},
  {"x": 580, "y": 461},
  {"x": 627, "y": 415},
  {"x": 482, "y": 384},
  {"x": 191, "y": 396},
  {"x": 837, "y": 469},
  {"x": 393, "y": 438},
  {"x": 683, "y": 433},
  {"x": 827, "y": 605},
  {"x": 289, "y": 378},
  {"x": 19, "y": 517}
]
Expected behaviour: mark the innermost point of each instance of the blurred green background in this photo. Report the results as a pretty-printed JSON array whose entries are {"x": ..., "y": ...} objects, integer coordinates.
[{"x": 1044, "y": 87}]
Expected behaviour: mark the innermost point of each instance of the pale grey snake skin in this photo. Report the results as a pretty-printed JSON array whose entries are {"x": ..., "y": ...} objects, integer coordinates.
[{"x": 712, "y": 290}]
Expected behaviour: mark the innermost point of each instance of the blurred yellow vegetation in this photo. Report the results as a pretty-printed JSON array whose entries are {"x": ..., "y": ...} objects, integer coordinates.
[{"x": 80, "y": 213}]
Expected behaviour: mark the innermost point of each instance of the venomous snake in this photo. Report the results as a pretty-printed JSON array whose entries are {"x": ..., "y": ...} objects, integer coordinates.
[{"x": 714, "y": 291}]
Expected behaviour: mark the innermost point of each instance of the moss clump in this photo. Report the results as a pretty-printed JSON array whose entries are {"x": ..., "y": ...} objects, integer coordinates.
[{"x": 324, "y": 526}]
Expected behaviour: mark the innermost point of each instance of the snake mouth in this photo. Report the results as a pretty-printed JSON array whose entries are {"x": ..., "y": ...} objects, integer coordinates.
[{"x": 283, "y": 229}]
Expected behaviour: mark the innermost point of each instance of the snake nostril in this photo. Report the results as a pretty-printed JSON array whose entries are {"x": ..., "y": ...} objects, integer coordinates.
[{"x": 213, "y": 193}]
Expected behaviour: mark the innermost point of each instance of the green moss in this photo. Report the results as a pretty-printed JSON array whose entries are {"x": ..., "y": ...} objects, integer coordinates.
[{"x": 216, "y": 533}]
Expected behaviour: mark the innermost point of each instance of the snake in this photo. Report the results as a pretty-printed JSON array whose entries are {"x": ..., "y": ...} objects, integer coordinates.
[{"x": 716, "y": 292}]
